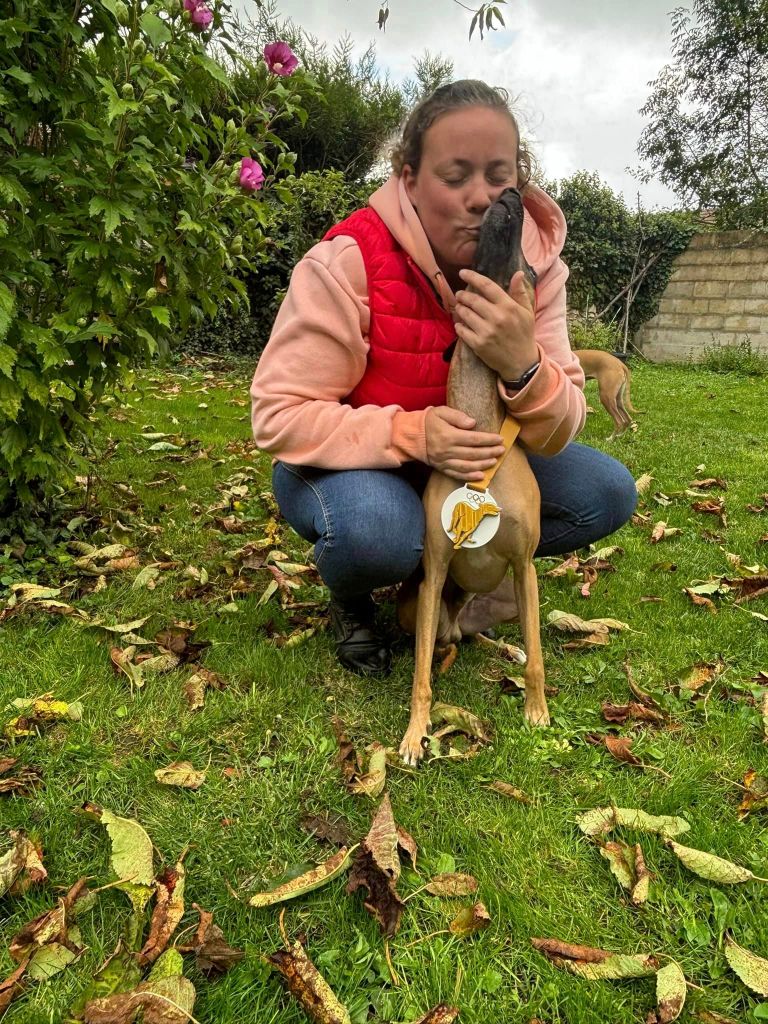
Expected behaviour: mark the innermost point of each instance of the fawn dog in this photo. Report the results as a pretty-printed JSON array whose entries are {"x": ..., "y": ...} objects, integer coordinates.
[
  {"x": 454, "y": 570},
  {"x": 612, "y": 378}
]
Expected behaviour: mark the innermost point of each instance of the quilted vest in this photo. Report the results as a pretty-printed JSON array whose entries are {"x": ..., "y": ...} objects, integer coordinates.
[{"x": 409, "y": 329}]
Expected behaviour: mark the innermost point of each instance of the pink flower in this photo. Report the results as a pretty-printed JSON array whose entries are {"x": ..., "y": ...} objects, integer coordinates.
[
  {"x": 251, "y": 174},
  {"x": 280, "y": 58},
  {"x": 201, "y": 17},
  {"x": 192, "y": 5}
]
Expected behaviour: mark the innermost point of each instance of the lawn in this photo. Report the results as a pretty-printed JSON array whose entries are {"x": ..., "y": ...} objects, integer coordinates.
[{"x": 268, "y": 749}]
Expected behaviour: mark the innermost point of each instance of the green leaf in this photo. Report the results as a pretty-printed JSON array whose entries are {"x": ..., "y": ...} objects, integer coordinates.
[
  {"x": 7, "y": 306},
  {"x": 49, "y": 960},
  {"x": 20, "y": 75},
  {"x": 214, "y": 70},
  {"x": 372, "y": 783},
  {"x": 7, "y": 355},
  {"x": 131, "y": 857},
  {"x": 114, "y": 211},
  {"x": 156, "y": 31},
  {"x": 162, "y": 314}
]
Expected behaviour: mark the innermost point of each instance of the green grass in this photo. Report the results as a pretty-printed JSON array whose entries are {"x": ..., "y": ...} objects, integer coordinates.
[{"x": 538, "y": 875}]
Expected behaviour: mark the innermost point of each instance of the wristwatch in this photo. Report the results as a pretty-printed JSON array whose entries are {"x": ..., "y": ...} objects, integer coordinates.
[{"x": 522, "y": 380}]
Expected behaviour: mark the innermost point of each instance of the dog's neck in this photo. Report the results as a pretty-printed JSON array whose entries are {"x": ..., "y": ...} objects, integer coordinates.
[{"x": 472, "y": 388}]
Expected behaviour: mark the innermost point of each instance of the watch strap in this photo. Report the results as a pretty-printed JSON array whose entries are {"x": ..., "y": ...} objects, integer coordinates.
[{"x": 523, "y": 379}]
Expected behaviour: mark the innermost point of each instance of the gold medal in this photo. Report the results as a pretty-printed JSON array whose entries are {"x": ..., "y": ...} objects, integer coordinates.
[{"x": 470, "y": 517}]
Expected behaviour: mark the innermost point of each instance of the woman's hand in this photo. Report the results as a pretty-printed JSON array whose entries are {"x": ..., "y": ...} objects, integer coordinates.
[
  {"x": 497, "y": 326},
  {"x": 455, "y": 448}
]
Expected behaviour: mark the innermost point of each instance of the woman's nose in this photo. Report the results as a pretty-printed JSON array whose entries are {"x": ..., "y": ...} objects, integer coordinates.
[{"x": 481, "y": 195}]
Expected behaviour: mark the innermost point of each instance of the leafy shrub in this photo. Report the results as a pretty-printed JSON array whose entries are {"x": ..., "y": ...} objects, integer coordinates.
[
  {"x": 738, "y": 359},
  {"x": 308, "y": 206},
  {"x": 123, "y": 216},
  {"x": 589, "y": 332},
  {"x": 607, "y": 244}
]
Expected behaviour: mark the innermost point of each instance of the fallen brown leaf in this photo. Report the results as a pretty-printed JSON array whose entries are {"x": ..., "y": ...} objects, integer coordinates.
[
  {"x": 442, "y": 1014},
  {"x": 201, "y": 680},
  {"x": 755, "y": 797},
  {"x": 452, "y": 884},
  {"x": 702, "y": 674},
  {"x": 213, "y": 955},
  {"x": 11, "y": 986},
  {"x": 329, "y": 827},
  {"x": 505, "y": 789},
  {"x": 700, "y": 600},
  {"x": 376, "y": 868},
  {"x": 347, "y": 757},
  {"x": 307, "y": 985},
  {"x": 709, "y": 482},
  {"x": 470, "y": 921},
  {"x": 633, "y": 711},
  {"x": 166, "y": 914}
]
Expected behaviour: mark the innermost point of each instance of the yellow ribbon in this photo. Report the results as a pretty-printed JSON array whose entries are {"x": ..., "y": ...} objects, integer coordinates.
[{"x": 510, "y": 428}]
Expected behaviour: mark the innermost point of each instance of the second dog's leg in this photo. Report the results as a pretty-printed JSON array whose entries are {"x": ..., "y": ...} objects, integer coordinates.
[
  {"x": 527, "y": 590},
  {"x": 427, "y": 614},
  {"x": 609, "y": 398}
]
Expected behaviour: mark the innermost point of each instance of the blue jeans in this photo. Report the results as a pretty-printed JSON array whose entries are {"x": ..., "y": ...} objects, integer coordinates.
[{"x": 367, "y": 525}]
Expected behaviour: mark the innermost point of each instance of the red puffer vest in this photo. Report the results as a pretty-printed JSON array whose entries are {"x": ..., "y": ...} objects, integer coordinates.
[{"x": 409, "y": 329}]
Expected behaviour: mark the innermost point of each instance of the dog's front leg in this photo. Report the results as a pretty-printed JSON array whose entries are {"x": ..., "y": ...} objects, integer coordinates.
[{"x": 427, "y": 615}]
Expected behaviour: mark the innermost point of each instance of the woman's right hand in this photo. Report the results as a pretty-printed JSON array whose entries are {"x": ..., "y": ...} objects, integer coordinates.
[{"x": 455, "y": 448}]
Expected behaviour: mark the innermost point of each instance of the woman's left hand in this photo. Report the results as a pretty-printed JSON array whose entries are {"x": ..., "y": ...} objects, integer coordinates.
[{"x": 498, "y": 326}]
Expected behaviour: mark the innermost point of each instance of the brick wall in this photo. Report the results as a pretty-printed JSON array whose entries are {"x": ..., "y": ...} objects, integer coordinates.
[{"x": 717, "y": 294}]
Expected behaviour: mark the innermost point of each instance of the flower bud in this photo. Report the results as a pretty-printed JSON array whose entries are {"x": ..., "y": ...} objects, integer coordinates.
[
  {"x": 236, "y": 245},
  {"x": 139, "y": 48},
  {"x": 150, "y": 294},
  {"x": 122, "y": 12},
  {"x": 127, "y": 91}
]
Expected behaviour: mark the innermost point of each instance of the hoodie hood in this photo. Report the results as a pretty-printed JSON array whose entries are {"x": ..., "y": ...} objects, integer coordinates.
[{"x": 543, "y": 231}]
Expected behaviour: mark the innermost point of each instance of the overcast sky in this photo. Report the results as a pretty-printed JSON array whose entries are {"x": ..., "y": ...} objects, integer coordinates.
[{"x": 580, "y": 70}]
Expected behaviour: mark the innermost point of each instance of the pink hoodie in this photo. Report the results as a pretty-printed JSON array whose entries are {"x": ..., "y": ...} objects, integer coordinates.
[{"x": 319, "y": 343}]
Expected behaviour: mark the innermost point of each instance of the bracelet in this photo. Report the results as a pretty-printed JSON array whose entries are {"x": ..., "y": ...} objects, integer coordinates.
[{"x": 523, "y": 379}]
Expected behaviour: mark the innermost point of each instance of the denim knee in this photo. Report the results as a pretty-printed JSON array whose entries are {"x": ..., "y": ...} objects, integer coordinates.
[{"x": 372, "y": 550}]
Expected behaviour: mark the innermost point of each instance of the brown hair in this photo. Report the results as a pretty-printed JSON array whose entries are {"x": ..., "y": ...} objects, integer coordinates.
[{"x": 468, "y": 92}]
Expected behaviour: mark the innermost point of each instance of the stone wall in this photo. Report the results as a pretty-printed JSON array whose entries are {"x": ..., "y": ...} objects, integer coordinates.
[{"x": 717, "y": 295}]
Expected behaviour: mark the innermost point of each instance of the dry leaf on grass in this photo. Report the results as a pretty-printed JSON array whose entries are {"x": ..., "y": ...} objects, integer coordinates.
[
  {"x": 166, "y": 913},
  {"x": 181, "y": 774},
  {"x": 663, "y": 532},
  {"x": 376, "y": 868},
  {"x": 752, "y": 969},
  {"x": 469, "y": 921},
  {"x": 601, "y": 820},
  {"x": 449, "y": 719},
  {"x": 714, "y": 869},
  {"x": 505, "y": 789},
  {"x": 372, "y": 783},
  {"x": 40, "y": 713},
  {"x": 671, "y": 990},
  {"x": 442, "y": 1014},
  {"x": 449, "y": 656},
  {"x": 21, "y": 866},
  {"x": 132, "y": 854},
  {"x": 634, "y": 712},
  {"x": 24, "y": 779},
  {"x": 701, "y": 600},
  {"x": 213, "y": 955},
  {"x": 347, "y": 757},
  {"x": 643, "y": 483},
  {"x": 627, "y": 865},
  {"x": 570, "y": 623},
  {"x": 308, "y": 882},
  {"x": 307, "y": 985},
  {"x": 167, "y": 1000},
  {"x": 329, "y": 827},
  {"x": 709, "y": 482},
  {"x": 201, "y": 680},
  {"x": 452, "y": 884},
  {"x": 596, "y": 964},
  {"x": 591, "y": 640},
  {"x": 755, "y": 797}
]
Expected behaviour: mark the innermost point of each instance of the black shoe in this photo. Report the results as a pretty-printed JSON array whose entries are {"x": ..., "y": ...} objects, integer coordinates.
[{"x": 358, "y": 645}]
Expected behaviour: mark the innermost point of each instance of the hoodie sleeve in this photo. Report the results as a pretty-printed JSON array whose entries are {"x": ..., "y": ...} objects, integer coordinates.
[
  {"x": 551, "y": 409},
  {"x": 315, "y": 356}
]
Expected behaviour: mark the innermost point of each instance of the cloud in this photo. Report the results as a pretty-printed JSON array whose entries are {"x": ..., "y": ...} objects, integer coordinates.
[{"x": 578, "y": 73}]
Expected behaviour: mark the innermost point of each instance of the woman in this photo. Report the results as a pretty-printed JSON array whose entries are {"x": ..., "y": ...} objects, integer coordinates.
[{"x": 349, "y": 394}]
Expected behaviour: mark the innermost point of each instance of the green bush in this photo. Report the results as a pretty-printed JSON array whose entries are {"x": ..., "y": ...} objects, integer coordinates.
[
  {"x": 123, "y": 216},
  {"x": 738, "y": 359},
  {"x": 607, "y": 243},
  {"x": 589, "y": 332},
  {"x": 308, "y": 206}
]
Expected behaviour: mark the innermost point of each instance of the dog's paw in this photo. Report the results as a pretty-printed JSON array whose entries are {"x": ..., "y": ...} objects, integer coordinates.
[
  {"x": 536, "y": 714},
  {"x": 412, "y": 747}
]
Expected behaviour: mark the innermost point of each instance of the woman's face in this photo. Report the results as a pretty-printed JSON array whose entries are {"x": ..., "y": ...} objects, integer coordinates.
[{"x": 469, "y": 157}]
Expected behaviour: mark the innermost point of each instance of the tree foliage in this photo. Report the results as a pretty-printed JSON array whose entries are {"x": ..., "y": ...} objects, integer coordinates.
[
  {"x": 608, "y": 245},
  {"x": 122, "y": 216},
  {"x": 707, "y": 132}
]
